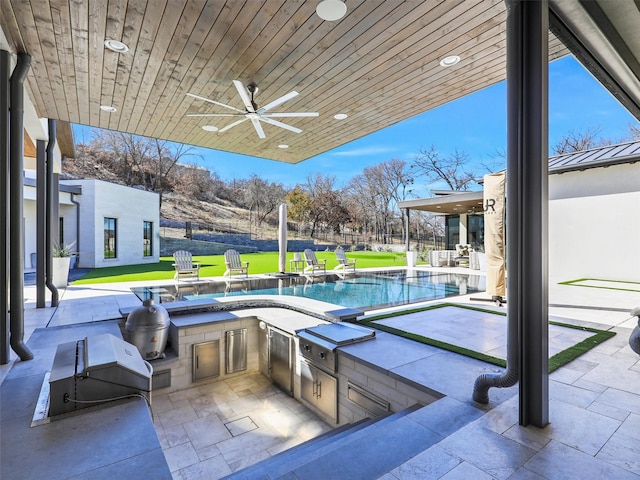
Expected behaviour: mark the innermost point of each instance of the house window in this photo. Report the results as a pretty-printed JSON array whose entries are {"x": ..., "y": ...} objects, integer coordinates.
[
  {"x": 475, "y": 231},
  {"x": 110, "y": 237},
  {"x": 147, "y": 232},
  {"x": 452, "y": 231}
]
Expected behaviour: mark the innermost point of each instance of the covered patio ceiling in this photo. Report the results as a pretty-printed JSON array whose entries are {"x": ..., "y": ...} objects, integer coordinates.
[
  {"x": 451, "y": 203},
  {"x": 380, "y": 64}
]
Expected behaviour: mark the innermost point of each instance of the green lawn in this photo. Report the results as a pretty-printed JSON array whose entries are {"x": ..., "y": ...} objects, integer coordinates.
[{"x": 213, "y": 266}]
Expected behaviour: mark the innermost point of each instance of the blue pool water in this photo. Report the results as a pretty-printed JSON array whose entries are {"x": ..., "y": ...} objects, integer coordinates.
[{"x": 365, "y": 291}]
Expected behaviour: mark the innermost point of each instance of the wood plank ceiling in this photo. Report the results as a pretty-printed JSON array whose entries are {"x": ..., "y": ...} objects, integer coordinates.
[{"x": 379, "y": 64}]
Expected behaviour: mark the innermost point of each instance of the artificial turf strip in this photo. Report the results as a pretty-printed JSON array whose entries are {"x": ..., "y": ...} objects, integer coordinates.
[
  {"x": 555, "y": 361},
  {"x": 576, "y": 283}
]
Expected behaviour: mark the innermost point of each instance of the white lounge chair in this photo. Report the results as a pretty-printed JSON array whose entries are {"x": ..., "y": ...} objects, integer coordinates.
[
  {"x": 234, "y": 264},
  {"x": 440, "y": 258},
  {"x": 183, "y": 263},
  {"x": 313, "y": 264},
  {"x": 344, "y": 263}
]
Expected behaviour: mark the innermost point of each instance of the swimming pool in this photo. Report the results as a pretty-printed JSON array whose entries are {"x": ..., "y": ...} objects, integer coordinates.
[{"x": 365, "y": 291}]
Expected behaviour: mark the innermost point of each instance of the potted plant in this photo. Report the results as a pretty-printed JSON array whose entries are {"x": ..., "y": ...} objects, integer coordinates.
[
  {"x": 412, "y": 258},
  {"x": 60, "y": 264}
]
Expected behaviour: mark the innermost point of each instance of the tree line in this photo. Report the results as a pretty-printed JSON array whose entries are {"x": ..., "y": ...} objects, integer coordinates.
[{"x": 363, "y": 210}]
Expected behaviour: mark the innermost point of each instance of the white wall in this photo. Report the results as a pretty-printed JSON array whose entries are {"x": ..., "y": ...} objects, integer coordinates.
[
  {"x": 29, "y": 212},
  {"x": 130, "y": 207},
  {"x": 594, "y": 224}
]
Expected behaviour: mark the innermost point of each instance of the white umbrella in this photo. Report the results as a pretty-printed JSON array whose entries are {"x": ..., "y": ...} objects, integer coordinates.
[
  {"x": 494, "y": 242},
  {"x": 282, "y": 238}
]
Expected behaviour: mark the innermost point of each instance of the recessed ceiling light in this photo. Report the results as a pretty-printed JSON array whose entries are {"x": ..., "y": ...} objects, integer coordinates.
[
  {"x": 331, "y": 10},
  {"x": 340, "y": 116},
  {"x": 210, "y": 128},
  {"x": 449, "y": 61},
  {"x": 283, "y": 146},
  {"x": 116, "y": 46},
  {"x": 108, "y": 108}
]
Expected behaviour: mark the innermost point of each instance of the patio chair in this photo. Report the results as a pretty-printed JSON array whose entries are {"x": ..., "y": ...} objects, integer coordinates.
[
  {"x": 344, "y": 263},
  {"x": 462, "y": 254},
  {"x": 185, "y": 268},
  {"x": 313, "y": 264},
  {"x": 234, "y": 264}
]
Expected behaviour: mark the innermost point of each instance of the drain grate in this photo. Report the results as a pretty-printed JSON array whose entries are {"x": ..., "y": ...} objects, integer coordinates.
[{"x": 240, "y": 426}]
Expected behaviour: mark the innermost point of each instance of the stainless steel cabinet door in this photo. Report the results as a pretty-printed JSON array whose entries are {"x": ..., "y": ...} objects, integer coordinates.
[
  {"x": 319, "y": 389},
  {"x": 206, "y": 360},
  {"x": 327, "y": 394},
  {"x": 280, "y": 360},
  {"x": 236, "y": 351}
]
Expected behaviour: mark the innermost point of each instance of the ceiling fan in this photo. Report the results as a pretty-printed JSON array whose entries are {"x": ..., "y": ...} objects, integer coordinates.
[{"x": 252, "y": 112}]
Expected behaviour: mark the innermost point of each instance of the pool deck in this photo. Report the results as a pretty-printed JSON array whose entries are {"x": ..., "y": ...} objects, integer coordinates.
[{"x": 594, "y": 405}]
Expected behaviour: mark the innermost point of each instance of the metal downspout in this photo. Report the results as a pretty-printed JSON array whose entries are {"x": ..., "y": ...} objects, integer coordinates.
[
  {"x": 49, "y": 217},
  {"x": 16, "y": 209},
  {"x": 41, "y": 219},
  {"x": 527, "y": 212},
  {"x": 408, "y": 238},
  {"x": 514, "y": 79},
  {"x": 5, "y": 61}
]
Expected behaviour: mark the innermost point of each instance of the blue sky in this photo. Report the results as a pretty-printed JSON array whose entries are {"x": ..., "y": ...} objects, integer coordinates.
[{"x": 475, "y": 124}]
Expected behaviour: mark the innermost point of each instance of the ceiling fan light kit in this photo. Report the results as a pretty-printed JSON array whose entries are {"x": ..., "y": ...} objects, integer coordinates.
[{"x": 252, "y": 112}]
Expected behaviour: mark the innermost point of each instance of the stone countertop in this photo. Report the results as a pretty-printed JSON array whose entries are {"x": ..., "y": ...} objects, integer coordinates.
[
  {"x": 424, "y": 366},
  {"x": 314, "y": 308},
  {"x": 284, "y": 319}
]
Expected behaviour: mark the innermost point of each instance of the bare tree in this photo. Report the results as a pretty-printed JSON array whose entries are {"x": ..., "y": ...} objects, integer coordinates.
[
  {"x": 324, "y": 200},
  {"x": 262, "y": 198},
  {"x": 576, "y": 141},
  {"x": 192, "y": 181},
  {"x": 167, "y": 155},
  {"x": 129, "y": 154},
  {"x": 453, "y": 170},
  {"x": 634, "y": 132}
]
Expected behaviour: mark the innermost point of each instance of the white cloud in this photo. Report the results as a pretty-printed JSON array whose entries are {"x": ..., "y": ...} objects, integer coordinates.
[{"x": 359, "y": 152}]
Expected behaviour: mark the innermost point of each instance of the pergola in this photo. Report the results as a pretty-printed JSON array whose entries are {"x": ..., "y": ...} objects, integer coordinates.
[{"x": 385, "y": 61}]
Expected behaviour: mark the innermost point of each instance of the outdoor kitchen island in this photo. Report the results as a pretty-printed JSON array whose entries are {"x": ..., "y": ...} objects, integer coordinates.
[
  {"x": 83, "y": 445},
  {"x": 305, "y": 350}
]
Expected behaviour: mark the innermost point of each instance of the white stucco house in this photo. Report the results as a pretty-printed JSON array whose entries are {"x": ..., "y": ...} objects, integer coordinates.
[
  {"x": 108, "y": 224},
  {"x": 594, "y": 214}
]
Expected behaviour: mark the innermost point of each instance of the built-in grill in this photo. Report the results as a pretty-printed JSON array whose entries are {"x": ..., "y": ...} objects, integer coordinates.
[
  {"x": 318, "y": 343},
  {"x": 95, "y": 370}
]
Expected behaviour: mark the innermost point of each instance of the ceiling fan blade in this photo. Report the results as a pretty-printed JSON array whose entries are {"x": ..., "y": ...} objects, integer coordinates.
[
  {"x": 258, "y": 127},
  {"x": 215, "y": 103},
  {"x": 293, "y": 114},
  {"x": 281, "y": 125},
  {"x": 278, "y": 101},
  {"x": 214, "y": 114},
  {"x": 244, "y": 95},
  {"x": 238, "y": 122}
]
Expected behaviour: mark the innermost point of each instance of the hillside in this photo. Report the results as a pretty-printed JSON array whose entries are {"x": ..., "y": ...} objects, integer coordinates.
[{"x": 212, "y": 215}]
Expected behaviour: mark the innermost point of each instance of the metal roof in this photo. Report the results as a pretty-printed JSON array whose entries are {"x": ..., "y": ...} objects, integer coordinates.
[{"x": 595, "y": 157}]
